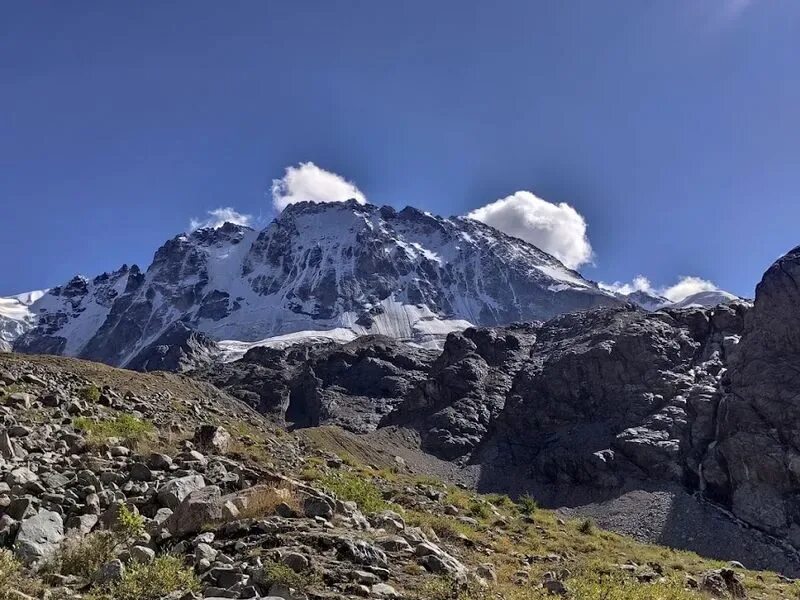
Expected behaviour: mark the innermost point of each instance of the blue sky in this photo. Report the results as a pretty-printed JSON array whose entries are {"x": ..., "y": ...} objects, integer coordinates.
[{"x": 670, "y": 126}]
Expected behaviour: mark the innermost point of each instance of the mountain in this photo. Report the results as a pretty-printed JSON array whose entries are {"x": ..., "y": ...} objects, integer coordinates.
[
  {"x": 646, "y": 300},
  {"x": 343, "y": 268},
  {"x": 708, "y": 299},
  {"x": 652, "y": 301},
  {"x": 16, "y": 316}
]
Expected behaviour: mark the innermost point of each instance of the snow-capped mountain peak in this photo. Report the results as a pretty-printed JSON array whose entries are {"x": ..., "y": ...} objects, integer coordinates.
[{"x": 339, "y": 267}]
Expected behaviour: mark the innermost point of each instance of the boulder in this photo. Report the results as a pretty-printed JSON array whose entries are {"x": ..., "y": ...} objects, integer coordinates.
[{"x": 38, "y": 536}]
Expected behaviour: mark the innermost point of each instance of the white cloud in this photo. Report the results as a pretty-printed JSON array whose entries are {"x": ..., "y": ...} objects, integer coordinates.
[
  {"x": 685, "y": 287},
  {"x": 308, "y": 182},
  {"x": 640, "y": 283},
  {"x": 688, "y": 286},
  {"x": 218, "y": 217},
  {"x": 557, "y": 229}
]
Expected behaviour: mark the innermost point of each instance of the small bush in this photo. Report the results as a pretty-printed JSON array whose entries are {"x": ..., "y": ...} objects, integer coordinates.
[
  {"x": 617, "y": 587},
  {"x": 444, "y": 588},
  {"x": 349, "y": 486},
  {"x": 479, "y": 510},
  {"x": 130, "y": 524},
  {"x": 263, "y": 499},
  {"x": 83, "y": 556},
  {"x": 166, "y": 574},
  {"x": 275, "y": 572},
  {"x": 527, "y": 505},
  {"x": 443, "y": 526},
  {"x": 90, "y": 393},
  {"x": 586, "y": 527},
  {"x": 12, "y": 579},
  {"x": 126, "y": 427},
  {"x": 500, "y": 500},
  {"x": 458, "y": 497}
]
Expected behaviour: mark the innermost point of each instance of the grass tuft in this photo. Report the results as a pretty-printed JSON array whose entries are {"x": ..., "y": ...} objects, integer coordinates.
[{"x": 126, "y": 427}]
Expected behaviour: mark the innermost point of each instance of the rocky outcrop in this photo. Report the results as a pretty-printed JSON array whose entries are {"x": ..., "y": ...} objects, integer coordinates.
[
  {"x": 466, "y": 389},
  {"x": 754, "y": 465},
  {"x": 617, "y": 394},
  {"x": 352, "y": 385},
  {"x": 179, "y": 349}
]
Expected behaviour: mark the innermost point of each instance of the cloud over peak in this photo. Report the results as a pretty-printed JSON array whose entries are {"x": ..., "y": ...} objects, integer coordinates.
[
  {"x": 218, "y": 217},
  {"x": 558, "y": 229},
  {"x": 308, "y": 182},
  {"x": 686, "y": 286}
]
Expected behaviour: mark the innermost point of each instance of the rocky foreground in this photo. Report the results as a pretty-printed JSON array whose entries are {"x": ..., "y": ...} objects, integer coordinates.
[{"x": 119, "y": 485}]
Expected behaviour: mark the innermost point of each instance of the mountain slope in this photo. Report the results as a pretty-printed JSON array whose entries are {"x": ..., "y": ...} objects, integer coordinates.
[
  {"x": 317, "y": 267},
  {"x": 16, "y": 317}
]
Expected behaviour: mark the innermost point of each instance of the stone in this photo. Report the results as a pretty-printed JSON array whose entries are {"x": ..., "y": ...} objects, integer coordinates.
[
  {"x": 213, "y": 439},
  {"x": 383, "y": 590},
  {"x": 295, "y": 561},
  {"x": 140, "y": 472},
  {"x": 316, "y": 506},
  {"x": 487, "y": 572},
  {"x": 200, "y": 508},
  {"x": 142, "y": 554},
  {"x": 393, "y": 543},
  {"x": 159, "y": 462},
  {"x": 175, "y": 490},
  {"x": 21, "y": 476},
  {"x": 723, "y": 583},
  {"x": 361, "y": 552},
  {"x": 38, "y": 536},
  {"x": 110, "y": 572}
]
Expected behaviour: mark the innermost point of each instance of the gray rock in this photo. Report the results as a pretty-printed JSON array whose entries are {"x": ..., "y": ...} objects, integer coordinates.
[
  {"x": 38, "y": 536},
  {"x": 142, "y": 554},
  {"x": 199, "y": 509},
  {"x": 110, "y": 572},
  {"x": 175, "y": 490},
  {"x": 213, "y": 439}
]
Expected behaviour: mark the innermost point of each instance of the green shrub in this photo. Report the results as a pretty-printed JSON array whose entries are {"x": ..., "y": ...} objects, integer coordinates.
[
  {"x": 83, "y": 556},
  {"x": 130, "y": 524},
  {"x": 617, "y": 587},
  {"x": 444, "y": 588},
  {"x": 90, "y": 393},
  {"x": 166, "y": 574},
  {"x": 443, "y": 526},
  {"x": 126, "y": 427},
  {"x": 479, "y": 510},
  {"x": 527, "y": 505},
  {"x": 275, "y": 572},
  {"x": 500, "y": 500},
  {"x": 359, "y": 489},
  {"x": 12, "y": 578},
  {"x": 586, "y": 527}
]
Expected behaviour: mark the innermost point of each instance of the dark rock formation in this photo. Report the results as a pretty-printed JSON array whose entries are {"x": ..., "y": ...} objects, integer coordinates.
[
  {"x": 352, "y": 385},
  {"x": 754, "y": 465},
  {"x": 179, "y": 349},
  {"x": 466, "y": 389}
]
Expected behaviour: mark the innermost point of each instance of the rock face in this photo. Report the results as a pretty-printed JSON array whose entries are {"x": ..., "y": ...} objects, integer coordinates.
[
  {"x": 341, "y": 267},
  {"x": 466, "y": 389},
  {"x": 352, "y": 385},
  {"x": 617, "y": 394},
  {"x": 754, "y": 466}
]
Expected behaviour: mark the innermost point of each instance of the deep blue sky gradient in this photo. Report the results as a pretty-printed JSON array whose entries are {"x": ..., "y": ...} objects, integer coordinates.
[{"x": 673, "y": 126}]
